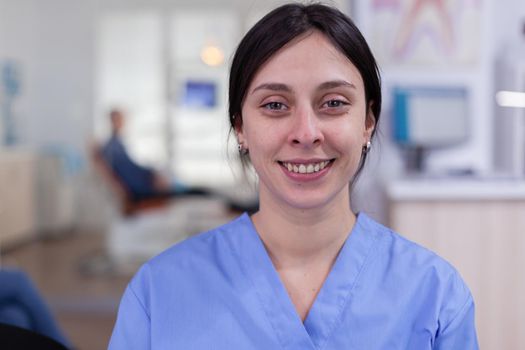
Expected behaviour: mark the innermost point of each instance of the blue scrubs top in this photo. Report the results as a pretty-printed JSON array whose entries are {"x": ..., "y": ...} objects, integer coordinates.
[{"x": 220, "y": 290}]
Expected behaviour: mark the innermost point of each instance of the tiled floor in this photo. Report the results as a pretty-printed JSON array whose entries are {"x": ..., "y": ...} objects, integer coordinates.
[{"x": 84, "y": 303}]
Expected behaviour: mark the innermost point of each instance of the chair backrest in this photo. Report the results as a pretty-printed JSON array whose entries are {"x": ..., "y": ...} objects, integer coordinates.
[
  {"x": 111, "y": 180},
  {"x": 105, "y": 171}
]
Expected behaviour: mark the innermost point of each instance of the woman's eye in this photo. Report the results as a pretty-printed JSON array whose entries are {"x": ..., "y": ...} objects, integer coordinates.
[
  {"x": 277, "y": 106},
  {"x": 335, "y": 103}
]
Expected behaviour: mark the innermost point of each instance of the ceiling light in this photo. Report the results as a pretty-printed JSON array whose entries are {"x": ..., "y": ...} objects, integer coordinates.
[{"x": 212, "y": 55}]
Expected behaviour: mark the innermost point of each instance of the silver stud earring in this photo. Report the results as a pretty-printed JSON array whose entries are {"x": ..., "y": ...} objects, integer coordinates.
[
  {"x": 241, "y": 149},
  {"x": 366, "y": 148}
]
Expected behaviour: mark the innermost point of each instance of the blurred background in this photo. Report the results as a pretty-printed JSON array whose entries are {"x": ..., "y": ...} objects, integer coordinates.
[{"x": 447, "y": 168}]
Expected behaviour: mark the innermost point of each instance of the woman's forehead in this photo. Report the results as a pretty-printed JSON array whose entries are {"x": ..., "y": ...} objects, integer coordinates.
[{"x": 308, "y": 57}]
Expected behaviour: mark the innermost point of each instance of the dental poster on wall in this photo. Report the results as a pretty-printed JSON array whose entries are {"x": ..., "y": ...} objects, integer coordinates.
[{"x": 426, "y": 32}]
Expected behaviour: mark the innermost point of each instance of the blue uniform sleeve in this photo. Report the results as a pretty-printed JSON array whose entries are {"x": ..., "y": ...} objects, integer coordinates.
[
  {"x": 132, "y": 328},
  {"x": 459, "y": 330}
]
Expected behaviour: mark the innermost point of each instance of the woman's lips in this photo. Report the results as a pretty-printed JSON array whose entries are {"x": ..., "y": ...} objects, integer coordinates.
[
  {"x": 306, "y": 170},
  {"x": 307, "y": 167}
]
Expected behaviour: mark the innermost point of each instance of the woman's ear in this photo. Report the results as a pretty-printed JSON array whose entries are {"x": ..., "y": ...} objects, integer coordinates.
[
  {"x": 370, "y": 122},
  {"x": 238, "y": 128}
]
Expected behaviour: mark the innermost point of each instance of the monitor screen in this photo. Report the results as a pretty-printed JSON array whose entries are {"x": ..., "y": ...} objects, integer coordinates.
[
  {"x": 200, "y": 94},
  {"x": 430, "y": 117}
]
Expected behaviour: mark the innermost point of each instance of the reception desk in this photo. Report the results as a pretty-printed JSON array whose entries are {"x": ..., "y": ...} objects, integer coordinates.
[{"x": 479, "y": 227}]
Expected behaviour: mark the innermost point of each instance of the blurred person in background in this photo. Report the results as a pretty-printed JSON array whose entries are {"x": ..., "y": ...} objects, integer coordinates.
[
  {"x": 141, "y": 181},
  {"x": 304, "y": 271},
  {"x": 144, "y": 183},
  {"x": 21, "y": 306}
]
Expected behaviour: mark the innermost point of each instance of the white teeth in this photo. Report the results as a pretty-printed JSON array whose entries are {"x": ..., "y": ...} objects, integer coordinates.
[{"x": 306, "y": 168}]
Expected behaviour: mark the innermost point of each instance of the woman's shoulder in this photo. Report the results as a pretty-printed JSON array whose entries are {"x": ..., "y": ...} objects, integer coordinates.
[
  {"x": 404, "y": 278},
  {"x": 406, "y": 263},
  {"x": 416, "y": 270},
  {"x": 196, "y": 252},
  {"x": 399, "y": 250}
]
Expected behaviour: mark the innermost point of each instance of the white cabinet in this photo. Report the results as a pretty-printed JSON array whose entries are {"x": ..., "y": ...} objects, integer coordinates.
[
  {"x": 54, "y": 194},
  {"x": 479, "y": 227},
  {"x": 17, "y": 219}
]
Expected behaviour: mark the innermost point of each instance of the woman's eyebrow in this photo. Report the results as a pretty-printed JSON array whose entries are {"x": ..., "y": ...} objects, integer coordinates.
[
  {"x": 273, "y": 87},
  {"x": 336, "y": 83}
]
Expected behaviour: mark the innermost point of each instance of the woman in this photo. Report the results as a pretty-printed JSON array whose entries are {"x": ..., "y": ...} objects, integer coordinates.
[{"x": 303, "y": 272}]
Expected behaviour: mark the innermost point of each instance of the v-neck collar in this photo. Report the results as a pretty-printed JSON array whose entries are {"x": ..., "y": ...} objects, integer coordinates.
[{"x": 327, "y": 309}]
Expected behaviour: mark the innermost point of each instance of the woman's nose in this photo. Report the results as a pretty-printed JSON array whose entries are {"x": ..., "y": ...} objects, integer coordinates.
[{"x": 305, "y": 128}]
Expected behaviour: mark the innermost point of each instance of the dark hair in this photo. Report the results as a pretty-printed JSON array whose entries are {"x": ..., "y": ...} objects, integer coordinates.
[{"x": 286, "y": 23}]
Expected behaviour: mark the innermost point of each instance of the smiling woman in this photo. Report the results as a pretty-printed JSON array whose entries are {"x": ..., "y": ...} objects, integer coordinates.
[
  {"x": 293, "y": 122},
  {"x": 304, "y": 272}
]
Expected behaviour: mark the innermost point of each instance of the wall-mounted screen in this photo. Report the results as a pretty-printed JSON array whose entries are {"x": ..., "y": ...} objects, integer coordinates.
[
  {"x": 430, "y": 117},
  {"x": 200, "y": 94}
]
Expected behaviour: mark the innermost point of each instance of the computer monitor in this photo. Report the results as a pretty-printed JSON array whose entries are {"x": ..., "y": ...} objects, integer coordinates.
[
  {"x": 200, "y": 94},
  {"x": 426, "y": 118}
]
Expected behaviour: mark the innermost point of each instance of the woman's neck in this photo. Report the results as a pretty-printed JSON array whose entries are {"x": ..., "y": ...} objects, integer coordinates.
[{"x": 302, "y": 237}]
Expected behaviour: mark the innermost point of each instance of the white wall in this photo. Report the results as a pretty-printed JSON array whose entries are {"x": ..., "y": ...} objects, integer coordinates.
[
  {"x": 508, "y": 21},
  {"x": 53, "y": 42},
  {"x": 17, "y": 43}
]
